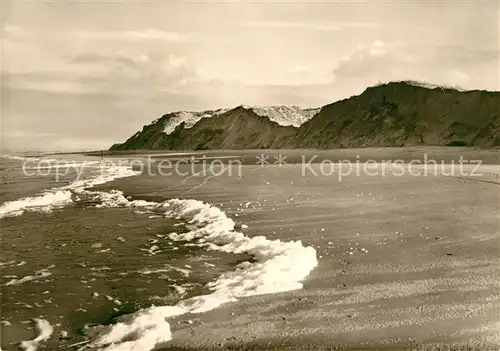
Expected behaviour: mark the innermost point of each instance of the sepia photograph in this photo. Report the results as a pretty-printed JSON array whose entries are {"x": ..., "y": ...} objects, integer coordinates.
[{"x": 198, "y": 175}]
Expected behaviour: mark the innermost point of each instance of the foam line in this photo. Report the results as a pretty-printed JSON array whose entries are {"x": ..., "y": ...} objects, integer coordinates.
[
  {"x": 45, "y": 202},
  {"x": 44, "y": 330},
  {"x": 62, "y": 196},
  {"x": 279, "y": 266}
]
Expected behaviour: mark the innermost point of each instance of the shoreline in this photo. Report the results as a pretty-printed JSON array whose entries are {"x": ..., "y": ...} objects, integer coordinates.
[
  {"x": 382, "y": 245},
  {"x": 452, "y": 149},
  {"x": 434, "y": 286}
]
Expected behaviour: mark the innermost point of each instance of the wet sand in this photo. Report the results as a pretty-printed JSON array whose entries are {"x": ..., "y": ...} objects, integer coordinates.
[{"x": 405, "y": 262}]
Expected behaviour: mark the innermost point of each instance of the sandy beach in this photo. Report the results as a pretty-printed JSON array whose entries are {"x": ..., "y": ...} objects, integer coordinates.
[{"x": 405, "y": 262}]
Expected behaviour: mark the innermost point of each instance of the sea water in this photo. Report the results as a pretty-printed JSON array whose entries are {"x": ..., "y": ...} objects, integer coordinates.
[{"x": 104, "y": 271}]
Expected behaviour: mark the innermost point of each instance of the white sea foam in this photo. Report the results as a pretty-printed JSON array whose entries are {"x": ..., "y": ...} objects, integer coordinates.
[
  {"x": 18, "y": 158},
  {"x": 44, "y": 330},
  {"x": 148, "y": 271},
  {"x": 180, "y": 289},
  {"x": 280, "y": 266},
  {"x": 62, "y": 196},
  {"x": 45, "y": 202},
  {"x": 40, "y": 274},
  {"x": 56, "y": 164},
  {"x": 108, "y": 172},
  {"x": 115, "y": 198},
  {"x": 4, "y": 264},
  {"x": 183, "y": 271}
]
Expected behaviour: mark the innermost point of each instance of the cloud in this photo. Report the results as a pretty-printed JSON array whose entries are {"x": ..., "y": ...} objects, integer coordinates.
[
  {"x": 378, "y": 48},
  {"x": 464, "y": 55},
  {"x": 42, "y": 81},
  {"x": 135, "y": 35},
  {"x": 452, "y": 66},
  {"x": 457, "y": 77},
  {"x": 112, "y": 74},
  {"x": 133, "y": 73},
  {"x": 319, "y": 26},
  {"x": 300, "y": 69},
  {"x": 13, "y": 31},
  {"x": 379, "y": 60}
]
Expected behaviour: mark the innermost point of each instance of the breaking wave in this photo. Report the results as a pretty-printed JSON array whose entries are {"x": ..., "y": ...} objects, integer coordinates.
[
  {"x": 45, "y": 202},
  {"x": 278, "y": 266},
  {"x": 63, "y": 196}
]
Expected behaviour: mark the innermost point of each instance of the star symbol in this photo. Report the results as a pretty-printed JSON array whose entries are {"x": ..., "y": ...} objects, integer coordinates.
[
  {"x": 262, "y": 160},
  {"x": 280, "y": 160}
]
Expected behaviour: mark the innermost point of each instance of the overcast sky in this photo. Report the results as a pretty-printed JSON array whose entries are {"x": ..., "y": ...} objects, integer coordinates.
[{"x": 83, "y": 75}]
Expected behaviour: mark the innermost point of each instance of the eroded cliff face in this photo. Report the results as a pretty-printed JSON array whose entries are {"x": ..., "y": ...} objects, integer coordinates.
[{"x": 393, "y": 114}]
